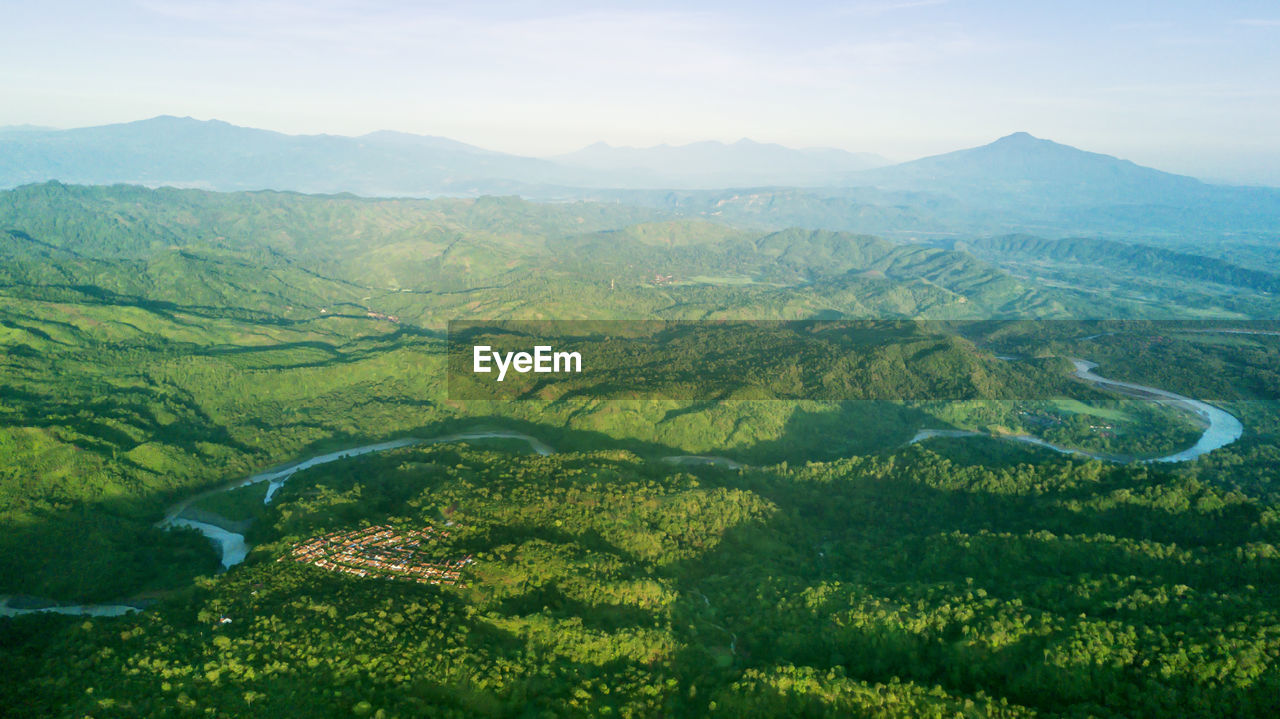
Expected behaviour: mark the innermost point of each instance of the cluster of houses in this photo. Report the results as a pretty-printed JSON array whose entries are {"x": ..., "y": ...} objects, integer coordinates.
[
  {"x": 380, "y": 316},
  {"x": 1106, "y": 431},
  {"x": 659, "y": 280},
  {"x": 381, "y": 551}
]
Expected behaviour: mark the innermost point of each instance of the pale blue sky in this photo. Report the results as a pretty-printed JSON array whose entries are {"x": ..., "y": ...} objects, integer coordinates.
[{"x": 1185, "y": 86}]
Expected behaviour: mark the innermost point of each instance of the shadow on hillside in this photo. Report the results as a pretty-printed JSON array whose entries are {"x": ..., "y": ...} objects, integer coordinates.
[
  {"x": 905, "y": 529},
  {"x": 67, "y": 553}
]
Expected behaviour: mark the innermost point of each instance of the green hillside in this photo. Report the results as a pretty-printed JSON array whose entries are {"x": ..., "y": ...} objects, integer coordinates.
[
  {"x": 675, "y": 556},
  {"x": 1128, "y": 257}
]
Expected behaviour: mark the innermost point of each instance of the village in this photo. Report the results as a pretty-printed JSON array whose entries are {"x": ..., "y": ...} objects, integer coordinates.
[{"x": 381, "y": 551}]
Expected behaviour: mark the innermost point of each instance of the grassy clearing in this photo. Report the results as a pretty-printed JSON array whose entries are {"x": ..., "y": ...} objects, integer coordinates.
[{"x": 1075, "y": 406}]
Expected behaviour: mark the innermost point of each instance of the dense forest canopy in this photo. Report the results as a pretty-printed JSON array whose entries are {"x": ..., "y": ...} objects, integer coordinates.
[{"x": 665, "y": 557}]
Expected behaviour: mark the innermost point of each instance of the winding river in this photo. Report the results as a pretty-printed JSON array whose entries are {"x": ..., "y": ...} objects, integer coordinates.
[
  {"x": 232, "y": 546},
  {"x": 1223, "y": 429}
]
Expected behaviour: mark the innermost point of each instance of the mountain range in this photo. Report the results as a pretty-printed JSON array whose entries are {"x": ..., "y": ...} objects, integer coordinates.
[
  {"x": 1017, "y": 183},
  {"x": 184, "y": 152},
  {"x": 215, "y": 155}
]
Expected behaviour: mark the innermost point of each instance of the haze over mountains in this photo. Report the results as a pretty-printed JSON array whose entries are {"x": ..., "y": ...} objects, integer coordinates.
[
  {"x": 716, "y": 164},
  {"x": 1017, "y": 183},
  {"x": 215, "y": 155}
]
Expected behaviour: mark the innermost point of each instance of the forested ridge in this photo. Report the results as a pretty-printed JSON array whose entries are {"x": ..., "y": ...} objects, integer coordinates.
[
  {"x": 157, "y": 343},
  {"x": 1130, "y": 256}
]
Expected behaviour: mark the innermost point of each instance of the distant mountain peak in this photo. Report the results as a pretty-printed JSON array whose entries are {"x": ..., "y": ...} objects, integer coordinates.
[
  {"x": 1018, "y": 137},
  {"x": 183, "y": 123},
  {"x": 1022, "y": 168},
  {"x": 176, "y": 119},
  {"x": 1027, "y": 141}
]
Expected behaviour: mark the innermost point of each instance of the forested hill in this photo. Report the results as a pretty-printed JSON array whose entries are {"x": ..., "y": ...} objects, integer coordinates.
[
  {"x": 155, "y": 344},
  {"x": 156, "y": 340},
  {"x": 429, "y": 260},
  {"x": 132, "y": 221},
  {"x": 1114, "y": 255}
]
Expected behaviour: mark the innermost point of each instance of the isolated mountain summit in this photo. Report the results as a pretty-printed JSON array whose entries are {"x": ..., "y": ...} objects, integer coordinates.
[{"x": 1022, "y": 166}]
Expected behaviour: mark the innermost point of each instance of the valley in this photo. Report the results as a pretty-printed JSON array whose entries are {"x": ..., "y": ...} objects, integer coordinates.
[
  {"x": 886, "y": 359},
  {"x": 1222, "y": 429},
  {"x": 162, "y": 346}
]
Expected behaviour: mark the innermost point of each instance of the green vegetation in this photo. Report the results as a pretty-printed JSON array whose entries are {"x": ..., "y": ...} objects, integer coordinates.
[
  {"x": 1154, "y": 281},
  {"x": 155, "y": 344},
  {"x": 236, "y": 505},
  {"x": 827, "y": 360},
  {"x": 605, "y": 584},
  {"x": 1123, "y": 429}
]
